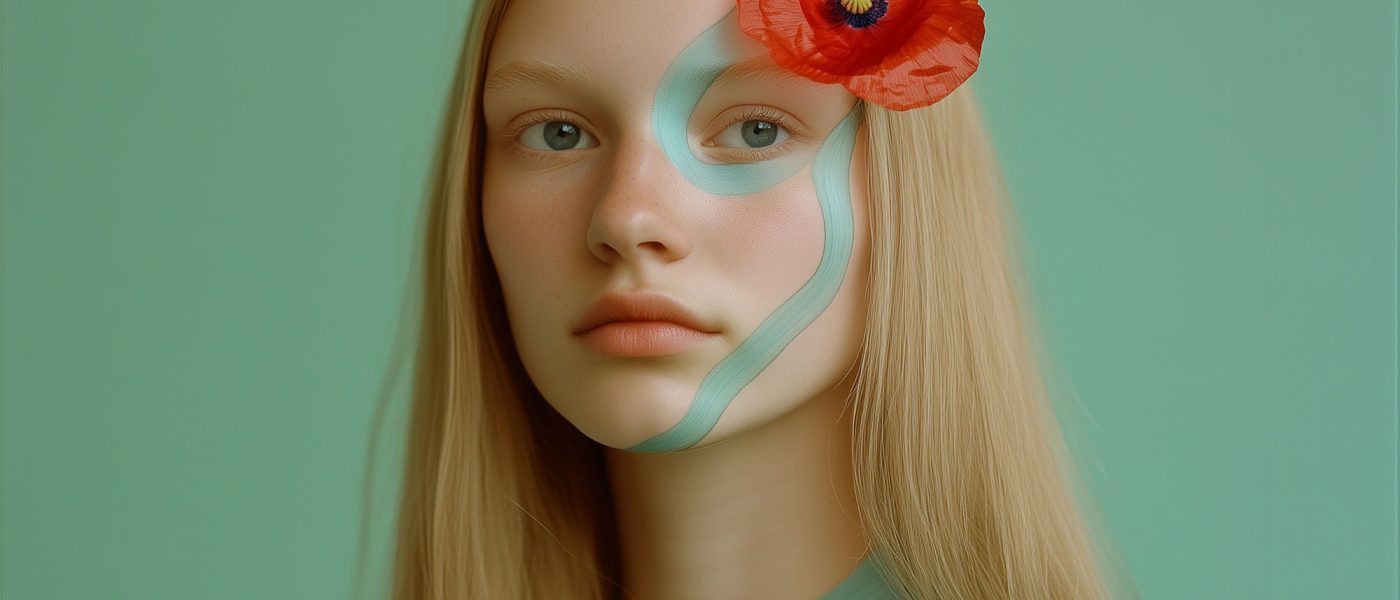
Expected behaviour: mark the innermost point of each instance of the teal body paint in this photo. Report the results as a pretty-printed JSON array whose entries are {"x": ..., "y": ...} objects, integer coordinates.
[{"x": 681, "y": 88}]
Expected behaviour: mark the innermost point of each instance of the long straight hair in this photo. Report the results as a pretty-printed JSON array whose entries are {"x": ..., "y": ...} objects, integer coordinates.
[{"x": 962, "y": 479}]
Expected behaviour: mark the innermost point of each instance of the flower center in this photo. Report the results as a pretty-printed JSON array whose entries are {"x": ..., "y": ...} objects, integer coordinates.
[{"x": 860, "y": 13}]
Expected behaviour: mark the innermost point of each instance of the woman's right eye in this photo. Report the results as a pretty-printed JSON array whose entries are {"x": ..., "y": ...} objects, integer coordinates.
[{"x": 555, "y": 136}]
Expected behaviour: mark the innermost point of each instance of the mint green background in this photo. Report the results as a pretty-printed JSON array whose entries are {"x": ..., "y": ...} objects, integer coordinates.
[{"x": 207, "y": 224}]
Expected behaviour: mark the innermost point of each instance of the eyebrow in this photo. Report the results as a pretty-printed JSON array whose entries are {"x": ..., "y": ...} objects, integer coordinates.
[
  {"x": 756, "y": 69},
  {"x": 525, "y": 72},
  {"x": 538, "y": 72}
]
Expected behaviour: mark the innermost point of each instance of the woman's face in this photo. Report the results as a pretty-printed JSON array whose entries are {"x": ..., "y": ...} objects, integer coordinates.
[{"x": 683, "y": 256}]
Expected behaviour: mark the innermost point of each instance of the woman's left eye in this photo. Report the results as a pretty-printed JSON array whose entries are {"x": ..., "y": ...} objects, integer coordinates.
[{"x": 752, "y": 134}]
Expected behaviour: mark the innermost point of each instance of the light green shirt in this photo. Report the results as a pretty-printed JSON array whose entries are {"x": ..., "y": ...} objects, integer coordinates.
[{"x": 866, "y": 582}]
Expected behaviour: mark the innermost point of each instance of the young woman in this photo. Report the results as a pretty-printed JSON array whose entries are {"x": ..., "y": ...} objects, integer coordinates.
[{"x": 721, "y": 303}]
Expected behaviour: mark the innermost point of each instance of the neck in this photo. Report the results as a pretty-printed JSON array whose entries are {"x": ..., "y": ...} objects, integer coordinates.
[{"x": 769, "y": 512}]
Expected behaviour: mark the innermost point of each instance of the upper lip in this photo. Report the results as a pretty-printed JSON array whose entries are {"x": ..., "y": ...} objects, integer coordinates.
[{"x": 644, "y": 306}]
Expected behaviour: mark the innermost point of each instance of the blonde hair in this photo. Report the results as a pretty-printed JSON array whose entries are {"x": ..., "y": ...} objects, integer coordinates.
[{"x": 962, "y": 480}]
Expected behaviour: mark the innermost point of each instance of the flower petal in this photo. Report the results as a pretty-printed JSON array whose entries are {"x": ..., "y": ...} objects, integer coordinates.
[
  {"x": 942, "y": 54},
  {"x": 915, "y": 55}
]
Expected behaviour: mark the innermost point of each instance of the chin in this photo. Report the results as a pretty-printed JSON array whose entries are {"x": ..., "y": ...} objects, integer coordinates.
[{"x": 621, "y": 411}]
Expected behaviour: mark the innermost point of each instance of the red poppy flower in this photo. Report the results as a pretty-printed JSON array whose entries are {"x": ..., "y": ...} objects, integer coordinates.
[{"x": 900, "y": 54}]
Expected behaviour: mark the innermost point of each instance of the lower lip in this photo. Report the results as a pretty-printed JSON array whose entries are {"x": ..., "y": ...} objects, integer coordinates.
[{"x": 641, "y": 338}]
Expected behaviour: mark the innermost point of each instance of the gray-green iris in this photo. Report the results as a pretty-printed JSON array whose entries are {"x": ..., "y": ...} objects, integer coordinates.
[
  {"x": 759, "y": 133},
  {"x": 560, "y": 135}
]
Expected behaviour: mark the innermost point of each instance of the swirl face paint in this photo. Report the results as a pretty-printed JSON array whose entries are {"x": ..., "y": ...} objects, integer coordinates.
[{"x": 682, "y": 86}]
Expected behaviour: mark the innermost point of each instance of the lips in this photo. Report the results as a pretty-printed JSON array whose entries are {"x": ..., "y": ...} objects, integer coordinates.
[{"x": 617, "y": 307}]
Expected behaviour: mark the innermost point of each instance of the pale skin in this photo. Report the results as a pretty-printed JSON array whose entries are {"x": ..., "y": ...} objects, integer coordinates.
[{"x": 762, "y": 507}]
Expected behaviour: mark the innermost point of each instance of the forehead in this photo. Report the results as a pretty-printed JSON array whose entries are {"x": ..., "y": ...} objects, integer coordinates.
[{"x": 622, "y": 46}]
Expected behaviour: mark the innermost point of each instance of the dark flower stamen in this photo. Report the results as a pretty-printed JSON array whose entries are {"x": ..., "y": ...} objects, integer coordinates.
[{"x": 859, "y": 14}]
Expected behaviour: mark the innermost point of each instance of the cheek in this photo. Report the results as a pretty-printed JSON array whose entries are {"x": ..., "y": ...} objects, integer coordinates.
[
  {"x": 527, "y": 233},
  {"x": 769, "y": 245},
  {"x": 817, "y": 360}
]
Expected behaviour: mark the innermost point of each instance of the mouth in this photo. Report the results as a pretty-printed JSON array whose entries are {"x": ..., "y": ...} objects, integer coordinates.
[
  {"x": 634, "y": 325},
  {"x": 636, "y": 339}
]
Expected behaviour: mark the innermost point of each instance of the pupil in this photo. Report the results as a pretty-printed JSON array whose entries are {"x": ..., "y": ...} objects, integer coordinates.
[
  {"x": 560, "y": 135},
  {"x": 759, "y": 133}
]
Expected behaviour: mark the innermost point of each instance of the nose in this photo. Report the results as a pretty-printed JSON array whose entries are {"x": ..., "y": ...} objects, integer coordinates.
[{"x": 637, "y": 217}]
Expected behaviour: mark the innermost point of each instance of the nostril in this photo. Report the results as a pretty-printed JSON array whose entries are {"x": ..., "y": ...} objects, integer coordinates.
[
  {"x": 637, "y": 231},
  {"x": 607, "y": 252}
]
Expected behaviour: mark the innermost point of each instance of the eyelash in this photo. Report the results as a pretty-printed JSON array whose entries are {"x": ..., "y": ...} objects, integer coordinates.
[
  {"x": 761, "y": 113},
  {"x": 535, "y": 155}
]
